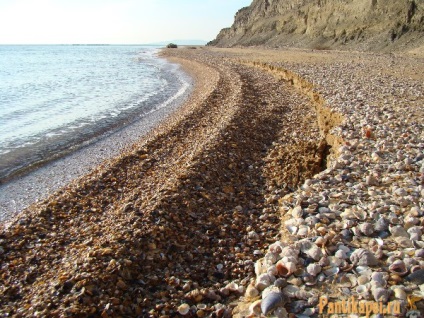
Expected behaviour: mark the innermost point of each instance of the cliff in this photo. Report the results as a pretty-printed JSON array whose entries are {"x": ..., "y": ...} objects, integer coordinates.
[{"x": 376, "y": 25}]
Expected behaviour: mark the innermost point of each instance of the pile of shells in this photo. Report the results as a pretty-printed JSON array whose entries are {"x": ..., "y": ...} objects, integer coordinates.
[{"x": 354, "y": 229}]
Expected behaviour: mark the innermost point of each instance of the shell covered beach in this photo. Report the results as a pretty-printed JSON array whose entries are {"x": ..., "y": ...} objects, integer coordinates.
[{"x": 287, "y": 176}]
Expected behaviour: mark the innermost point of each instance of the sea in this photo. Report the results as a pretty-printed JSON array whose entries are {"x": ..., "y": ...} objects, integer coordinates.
[{"x": 56, "y": 98}]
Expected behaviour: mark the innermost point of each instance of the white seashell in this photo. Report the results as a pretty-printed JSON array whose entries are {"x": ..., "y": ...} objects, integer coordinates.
[
  {"x": 276, "y": 247},
  {"x": 415, "y": 233},
  {"x": 398, "y": 267},
  {"x": 340, "y": 254},
  {"x": 311, "y": 250},
  {"x": 292, "y": 229},
  {"x": 363, "y": 257},
  {"x": 262, "y": 281},
  {"x": 335, "y": 261},
  {"x": 270, "y": 258},
  {"x": 378, "y": 279},
  {"x": 419, "y": 253},
  {"x": 379, "y": 241},
  {"x": 313, "y": 269},
  {"x": 272, "y": 270},
  {"x": 183, "y": 309},
  {"x": 359, "y": 214},
  {"x": 297, "y": 212},
  {"x": 364, "y": 270},
  {"x": 285, "y": 269},
  {"x": 362, "y": 291},
  {"x": 303, "y": 231},
  {"x": 398, "y": 231},
  {"x": 366, "y": 228},
  {"x": 331, "y": 271},
  {"x": 381, "y": 294},
  {"x": 404, "y": 242},
  {"x": 260, "y": 267},
  {"x": 289, "y": 251},
  {"x": 409, "y": 262},
  {"x": 291, "y": 291},
  {"x": 399, "y": 293}
]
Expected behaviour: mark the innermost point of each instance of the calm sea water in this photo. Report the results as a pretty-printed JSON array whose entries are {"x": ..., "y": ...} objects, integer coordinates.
[{"x": 55, "y": 98}]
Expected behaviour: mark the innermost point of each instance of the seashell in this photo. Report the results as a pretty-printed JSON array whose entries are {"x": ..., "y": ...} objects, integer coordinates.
[
  {"x": 398, "y": 231},
  {"x": 320, "y": 241},
  {"x": 183, "y": 309},
  {"x": 415, "y": 268},
  {"x": 364, "y": 270},
  {"x": 272, "y": 270},
  {"x": 360, "y": 214},
  {"x": 310, "y": 280},
  {"x": 378, "y": 279},
  {"x": 415, "y": 233},
  {"x": 419, "y": 253},
  {"x": 362, "y": 291},
  {"x": 366, "y": 228},
  {"x": 270, "y": 258},
  {"x": 276, "y": 248},
  {"x": 346, "y": 281},
  {"x": 280, "y": 282},
  {"x": 260, "y": 267},
  {"x": 416, "y": 277},
  {"x": 324, "y": 261},
  {"x": 232, "y": 286},
  {"x": 271, "y": 302},
  {"x": 341, "y": 254},
  {"x": 251, "y": 291},
  {"x": 381, "y": 294},
  {"x": 364, "y": 257},
  {"x": 398, "y": 267},
  {"x": 382, "y": 224},
  {"x": 303, "y": 231},
  {"x": 331, "y": 271},
  {"x": 313, "y": 269},
  {"x": 255, "y": 308},
  {"x": 409, "y": 262},
  {"x": 262, "y": 281},
  {"x": 399, "y": 293},
  {"x": 363, "y": 279},
  {"x": 377, "y": 250},
  {"x": 290, "y": 251},
  {"x": 404, "y": 242},
  {"x": 290, "y": 291},
  {"x": 285, "y": 269},
  {"x": 297, "y": 212},
  {"x": 311, "y": 250}
]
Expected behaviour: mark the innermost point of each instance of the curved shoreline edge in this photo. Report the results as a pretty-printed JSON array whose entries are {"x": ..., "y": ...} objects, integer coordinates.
[
  {"x": 41, "y": 179},
  {"x": 187, "y": 214}
]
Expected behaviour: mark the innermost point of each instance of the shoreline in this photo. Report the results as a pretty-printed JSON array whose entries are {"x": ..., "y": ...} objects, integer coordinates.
[
  {"x": 42, "y": 179},
  {"x": 256, "y": 162}
]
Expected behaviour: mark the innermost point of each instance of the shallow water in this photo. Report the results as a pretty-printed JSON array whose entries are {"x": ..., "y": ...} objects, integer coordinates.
[{"x": 53, "y": 99}]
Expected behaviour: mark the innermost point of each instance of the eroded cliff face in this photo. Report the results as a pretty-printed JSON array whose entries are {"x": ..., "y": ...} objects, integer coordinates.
[{"x": 378, "y": 25}]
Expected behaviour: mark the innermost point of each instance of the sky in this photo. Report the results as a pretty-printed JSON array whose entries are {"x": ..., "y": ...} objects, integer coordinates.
[{"x": 113, "y": 21}]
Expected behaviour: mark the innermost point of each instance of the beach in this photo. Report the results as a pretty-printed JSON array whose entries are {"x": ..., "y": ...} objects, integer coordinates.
[{"x": 179, "y": 221}]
